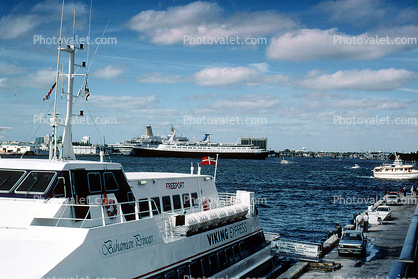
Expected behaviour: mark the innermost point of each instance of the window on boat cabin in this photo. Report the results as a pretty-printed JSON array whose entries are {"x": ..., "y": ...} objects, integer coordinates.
[
  {"x": 221, "y": 259},
  {"x": 186, "y": 201},
  {"x": 229, "y": 255},
  {"x": 166, "y": 203},
  {"x": 63, "y": 183},
  {"x": 242, "y": 249},
  {"x": 213, "y": 263},
  {"x": 170, "y": 275},
  {"x": 194, "y": 270},
  {"x": 110, "y": 182},
  {"x": 237, "y": 254},
  {"x": 204, "y": 267},
  {"x": 8, "y": 179},
  {"x": 36, "y": 182},
  {"x": 176, "y": 202},
  {"x": 155, "y": 204},
  {"x": 94, "y": 182},
  {"x": 195, "y": 201},
  {"x": 182, "y": 272},
  {"x": 143, "y": 208}
]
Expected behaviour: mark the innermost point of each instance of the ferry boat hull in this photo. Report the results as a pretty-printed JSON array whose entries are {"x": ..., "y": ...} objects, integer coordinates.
[{"x": 154, "y": 152}]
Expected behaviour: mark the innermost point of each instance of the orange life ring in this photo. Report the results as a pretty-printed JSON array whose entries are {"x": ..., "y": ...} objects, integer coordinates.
[{"x": 110, "y": 206}]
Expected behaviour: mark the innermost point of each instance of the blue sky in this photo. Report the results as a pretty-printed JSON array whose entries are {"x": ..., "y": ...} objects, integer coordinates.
[{"x": 325, "y": 75}]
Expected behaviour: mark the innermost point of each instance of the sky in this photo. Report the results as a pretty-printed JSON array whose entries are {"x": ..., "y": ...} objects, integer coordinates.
[{"x": 324, "y": 75}]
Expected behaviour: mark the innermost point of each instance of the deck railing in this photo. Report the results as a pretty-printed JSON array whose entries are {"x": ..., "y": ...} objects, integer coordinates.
[{"x": 96, "y": 215}]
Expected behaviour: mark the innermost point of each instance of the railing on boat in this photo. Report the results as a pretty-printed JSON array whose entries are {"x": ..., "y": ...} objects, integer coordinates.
[{"x": 57, "y": 211}]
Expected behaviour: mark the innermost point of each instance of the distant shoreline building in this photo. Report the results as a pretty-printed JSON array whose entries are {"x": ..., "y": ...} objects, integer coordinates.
[{"x": 260, "y": 142}]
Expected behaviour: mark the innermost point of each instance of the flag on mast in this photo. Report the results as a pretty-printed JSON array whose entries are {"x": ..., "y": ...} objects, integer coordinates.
[
  {"x": 49, "y": 92},
  {"x": 208, "y": 161},
  {"x": 86, "y": 93}
]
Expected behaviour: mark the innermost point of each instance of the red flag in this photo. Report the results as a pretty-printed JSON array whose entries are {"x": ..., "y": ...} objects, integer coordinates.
[
  {"x": 49, "y": 92},
  {"x": 208, "y": 161}
]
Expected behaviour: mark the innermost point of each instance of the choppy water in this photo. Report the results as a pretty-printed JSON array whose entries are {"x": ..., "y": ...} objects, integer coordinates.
[{"x": 302, "y": 200}]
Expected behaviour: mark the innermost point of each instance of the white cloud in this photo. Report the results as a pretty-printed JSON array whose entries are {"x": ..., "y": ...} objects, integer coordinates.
[
  {"x": 55, "y": 7},
  {"x": 3, "y": 82},
  {"x": 268, "y": 79},
  {"x": 13, "y": 26},
  {"x": 409, "y": 90},
  {"x": 311, "y": 44},
  {"x": 367, "y": 80},
  {"x": 223, "y": 76},
  {"x": 159, "y": 78},
  {"x": 249, "y": 103},
  {"x": 261, "y": 67},
  {"x": 123, "y": 102},
  {"x": 205, "y": 19},
  {"x": 356, "y": 12},
  {"x": 108, "y": 72},
  {"x": 41, "y": 79},
  {"x": 202, "y": 97},
  {"x": 9, "y": 69},
  {"x": 227, "y": 76},
  {"x": 361, "y": 104}
]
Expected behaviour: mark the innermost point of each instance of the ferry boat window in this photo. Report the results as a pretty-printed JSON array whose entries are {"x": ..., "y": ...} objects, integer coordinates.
[
  {"x": 221, "y": 259},
  {"x": 194, "y": 200},
  {"x": 194, "y": 269},
  {"x": 166, "y": 203},
  {"x": 204, "y": 267},
  {"x": 110, "y": 182},
  {"x": 186, "y": 201},
  {"x": 143, "y": 208},
  {"x": 182, "y": 272},
  {"x": 243, "y": 250},
  {"x": 61, "y": 185},
  {"x": 176, "y": 202},
  {"x": 8, "y": 179},
  {"x": 155, "y": 204},
  {"x": 229, "y": 255},
  {"x": 170, "y": 275},
  {"x": 213, "y": 263},
  {"x": 36, "y": 182},
  {"x": 94, "y": 182},
  {"x": 237, "y": 254}
]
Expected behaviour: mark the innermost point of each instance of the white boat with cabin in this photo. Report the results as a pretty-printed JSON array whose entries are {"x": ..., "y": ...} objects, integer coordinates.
[
  {"x": 64, "y": 217},
  {"x": 396, "y": 170}
]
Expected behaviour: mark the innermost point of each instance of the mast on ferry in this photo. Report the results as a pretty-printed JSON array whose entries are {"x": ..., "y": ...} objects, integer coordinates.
[{"x": 67, "y": 151}]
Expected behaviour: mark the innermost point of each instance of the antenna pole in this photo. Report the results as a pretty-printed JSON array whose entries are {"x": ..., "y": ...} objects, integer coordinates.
[
  {"x": 216, "y": 166},
  {"x": 53, "y": 144},
  {"x": 67, "y": 151}
]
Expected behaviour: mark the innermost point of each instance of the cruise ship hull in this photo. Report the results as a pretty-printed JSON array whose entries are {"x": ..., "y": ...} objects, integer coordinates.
[{"x": 154, "y": 152}]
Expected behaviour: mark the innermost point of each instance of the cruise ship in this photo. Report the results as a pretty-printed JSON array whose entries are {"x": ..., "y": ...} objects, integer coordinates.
[
  {"x": 201, "y": 148},
  {"x": 69, "y": 218},
  {"x": 397, "y": 170},
  {"x": 148, "y": 140}
]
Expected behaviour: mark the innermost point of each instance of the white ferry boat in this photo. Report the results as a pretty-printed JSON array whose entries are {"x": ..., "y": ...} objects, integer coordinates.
[
  {"x": 397, "y": 170},
  {"x": 201, "y": 148},
  {"x": 67, "y": 218}
]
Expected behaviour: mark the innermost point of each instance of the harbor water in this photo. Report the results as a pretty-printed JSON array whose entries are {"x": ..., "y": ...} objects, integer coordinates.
[{"x": 301, "y": 200}]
